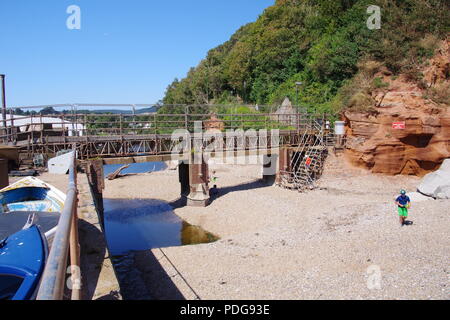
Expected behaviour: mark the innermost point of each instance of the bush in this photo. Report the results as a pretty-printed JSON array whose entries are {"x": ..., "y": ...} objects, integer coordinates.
[
  {"x": 378, "y": 83},
  {"x": 325, "y": 44}
]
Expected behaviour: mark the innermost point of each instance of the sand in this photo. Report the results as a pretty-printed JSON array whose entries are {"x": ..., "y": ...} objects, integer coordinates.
[{"x": 341, "y": 241}]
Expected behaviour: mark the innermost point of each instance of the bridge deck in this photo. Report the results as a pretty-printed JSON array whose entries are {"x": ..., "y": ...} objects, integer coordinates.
[{"x": 160, "y": 146}]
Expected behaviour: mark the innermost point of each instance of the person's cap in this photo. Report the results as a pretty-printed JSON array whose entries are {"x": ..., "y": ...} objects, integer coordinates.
[{"x": 403, "y": 192}]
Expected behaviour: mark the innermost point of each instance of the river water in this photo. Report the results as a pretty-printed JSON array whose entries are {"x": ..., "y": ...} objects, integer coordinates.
[
  {"x": 135, "y": 168},
  {"x": 133, "y": 226},
  {"x": 136, "y": 225}
]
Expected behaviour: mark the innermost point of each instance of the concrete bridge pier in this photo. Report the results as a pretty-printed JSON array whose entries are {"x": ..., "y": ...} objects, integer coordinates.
[
  {"x": 194, "y": 179},
  {"x": 183, "y": 177},
  {"x": 270, "y": 168}
]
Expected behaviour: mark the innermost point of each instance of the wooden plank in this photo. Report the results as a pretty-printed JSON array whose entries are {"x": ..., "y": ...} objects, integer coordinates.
[{"x": 116, "y": 174}]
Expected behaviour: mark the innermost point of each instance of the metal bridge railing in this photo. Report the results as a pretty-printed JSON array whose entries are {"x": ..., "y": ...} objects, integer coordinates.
[
  {"x": 66, "y": 239},
  {"x": 101, "y": 132}
]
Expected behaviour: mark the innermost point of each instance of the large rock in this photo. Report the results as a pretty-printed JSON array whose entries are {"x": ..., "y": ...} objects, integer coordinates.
[
  {"x": 436, "y": 185},
  {"x": 443, "y": 192},
  {"x": 418, "y": 197},
  {"x": 445, "y": 166},
  {"x": 421, "y": 147}
]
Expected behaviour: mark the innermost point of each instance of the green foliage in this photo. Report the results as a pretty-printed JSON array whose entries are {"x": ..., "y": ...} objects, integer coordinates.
[
  {"x": 323, "y": 43},
  {"x": 379, "y": 83}
]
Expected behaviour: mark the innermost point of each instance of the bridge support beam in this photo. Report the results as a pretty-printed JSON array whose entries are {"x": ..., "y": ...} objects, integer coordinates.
[
  {"x": 183, "y": 177},
  {"x": 284, "y": 162},
  {"x": 198, "y": 182},
  {"x": 270, "y": 168}
]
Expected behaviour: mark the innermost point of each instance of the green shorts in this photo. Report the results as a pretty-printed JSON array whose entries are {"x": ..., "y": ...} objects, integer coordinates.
[{"x": 402, "y": 212}]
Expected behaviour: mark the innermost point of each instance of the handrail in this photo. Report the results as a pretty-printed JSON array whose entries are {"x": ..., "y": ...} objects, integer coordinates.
[{"x": 53, "y": 279}]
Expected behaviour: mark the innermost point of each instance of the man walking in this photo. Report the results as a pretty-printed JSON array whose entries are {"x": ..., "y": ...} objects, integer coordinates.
[{"x": 404, "y": 203}]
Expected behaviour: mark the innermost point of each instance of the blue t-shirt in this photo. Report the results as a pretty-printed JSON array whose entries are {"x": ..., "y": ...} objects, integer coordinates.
[{"x": 403, "y": 200}]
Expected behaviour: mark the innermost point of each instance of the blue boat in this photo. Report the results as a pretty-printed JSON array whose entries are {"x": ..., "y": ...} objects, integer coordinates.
[
  {"x": 22, "y": 260},
  {"x": 26, "y": 196}
]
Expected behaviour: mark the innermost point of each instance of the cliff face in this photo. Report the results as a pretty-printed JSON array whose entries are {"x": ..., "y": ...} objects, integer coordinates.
[{"x": 424, "y": 144}]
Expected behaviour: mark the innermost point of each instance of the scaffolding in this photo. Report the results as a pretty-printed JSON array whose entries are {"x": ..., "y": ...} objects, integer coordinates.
[{"x": 306, "y": 161}]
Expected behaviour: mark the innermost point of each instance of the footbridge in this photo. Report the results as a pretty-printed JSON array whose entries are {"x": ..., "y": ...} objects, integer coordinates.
[{"x": 288, "y": 141}]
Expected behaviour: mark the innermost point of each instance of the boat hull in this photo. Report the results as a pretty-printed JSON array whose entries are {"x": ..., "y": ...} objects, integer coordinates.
[
  {"x": 31, "y": 195},
  {"x": 22, "y": 260}
]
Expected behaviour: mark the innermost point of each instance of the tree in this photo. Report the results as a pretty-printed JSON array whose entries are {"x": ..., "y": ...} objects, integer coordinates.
[{"x": 48, "y": 111}]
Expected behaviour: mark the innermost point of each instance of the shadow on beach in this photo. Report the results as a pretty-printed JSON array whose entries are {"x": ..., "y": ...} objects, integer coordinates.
[
  {"x": 141, "y": 277},
  {"x": 92, "y": 253}
]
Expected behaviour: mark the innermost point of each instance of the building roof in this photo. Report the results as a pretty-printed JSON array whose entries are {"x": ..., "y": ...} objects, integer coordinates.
[{"x": 22, "y": 121}]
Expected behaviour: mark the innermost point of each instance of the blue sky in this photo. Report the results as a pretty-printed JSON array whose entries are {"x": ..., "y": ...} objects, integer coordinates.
[{"x": 125, "y": 52}]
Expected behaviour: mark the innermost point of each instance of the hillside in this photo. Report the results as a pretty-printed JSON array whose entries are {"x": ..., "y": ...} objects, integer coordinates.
[{"x": 326, "y": 45}]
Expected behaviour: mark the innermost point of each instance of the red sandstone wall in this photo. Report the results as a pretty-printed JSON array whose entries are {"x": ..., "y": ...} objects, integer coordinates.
[{"x": 423, "y": 145}]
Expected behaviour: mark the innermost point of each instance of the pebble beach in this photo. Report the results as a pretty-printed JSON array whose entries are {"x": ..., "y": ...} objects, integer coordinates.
[{"x": 340, "y": 241}]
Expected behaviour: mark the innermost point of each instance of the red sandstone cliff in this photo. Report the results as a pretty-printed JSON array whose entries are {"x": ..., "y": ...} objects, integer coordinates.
[{"x": 425, "y": 108}]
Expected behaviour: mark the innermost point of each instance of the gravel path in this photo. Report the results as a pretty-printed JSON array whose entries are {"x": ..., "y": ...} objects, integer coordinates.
[{"x": 331, "y": 243}]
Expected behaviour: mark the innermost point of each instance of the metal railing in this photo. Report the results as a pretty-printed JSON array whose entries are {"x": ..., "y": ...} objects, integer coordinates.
[
  {"x": 35, "y": 127},
  {"x": 66, "y": 240},
  {"x": 102, "y": 132}
]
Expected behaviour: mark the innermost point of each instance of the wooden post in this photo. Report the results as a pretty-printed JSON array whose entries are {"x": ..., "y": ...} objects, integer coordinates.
[
  {"x": 75, "y": 250},
  {"x": 283, "y": 164},
  {"x": 4, "y": 178},
  {"x": 41, "y": 128},
  {"x": 120, "y": 124},
  {"x": 13, "y": 132},
  {"x": 63, "y": 130},
  {"x": 32, "y": 136},
  {"x": 85, "y": 125}
]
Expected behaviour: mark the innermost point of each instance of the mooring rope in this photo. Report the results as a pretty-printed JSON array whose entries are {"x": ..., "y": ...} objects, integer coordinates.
[{"x": 179, "y": 273}]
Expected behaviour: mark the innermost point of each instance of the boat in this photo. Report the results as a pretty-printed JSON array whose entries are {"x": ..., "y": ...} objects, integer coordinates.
[
  {"x": 30, "y": 196},
  {"x": 22, "y": 260}
]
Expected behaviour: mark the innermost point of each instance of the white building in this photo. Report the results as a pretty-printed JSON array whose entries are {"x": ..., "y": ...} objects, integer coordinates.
[{"x": 37, "y": 123}]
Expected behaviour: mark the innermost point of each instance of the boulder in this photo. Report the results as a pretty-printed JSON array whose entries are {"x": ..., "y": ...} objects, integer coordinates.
[
  {"x": 445, "y": 166},
  {"x": 418, "y": 197},
  {"x": 443, "y": 192},
  {"x": 436, "y": 185}
]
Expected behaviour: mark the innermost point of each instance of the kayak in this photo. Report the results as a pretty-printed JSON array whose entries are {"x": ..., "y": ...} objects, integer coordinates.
[
  {"x": 22, "y": 260},
  {"x": 31, "y": 195}
]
